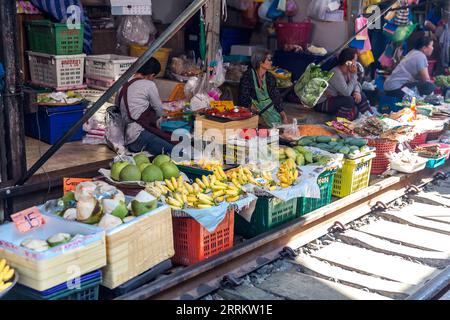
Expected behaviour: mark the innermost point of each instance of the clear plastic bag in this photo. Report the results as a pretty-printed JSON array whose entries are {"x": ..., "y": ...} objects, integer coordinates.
[
  {"x": 135, "y": 30},
  {"x": 218, "y": 77},
  {"x": 115, "y": 129},
  {"x": 318, "y": 8}
]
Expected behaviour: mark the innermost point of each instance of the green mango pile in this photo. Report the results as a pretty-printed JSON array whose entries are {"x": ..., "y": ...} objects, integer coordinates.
[
  {"x": 347, "y": 146},
  {"x": 302, "y": 157}
]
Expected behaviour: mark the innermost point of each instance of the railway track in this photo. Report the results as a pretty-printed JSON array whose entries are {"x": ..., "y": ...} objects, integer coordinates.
[{"x": 389, "y": 241}]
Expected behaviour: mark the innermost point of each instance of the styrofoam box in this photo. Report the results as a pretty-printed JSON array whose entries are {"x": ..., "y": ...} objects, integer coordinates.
[
  {"x": 42, "y": 270},
  {"x": 334, "y": 16},
  {"x": 131, "y": 7},
  {"x": 241, "y": 50}
]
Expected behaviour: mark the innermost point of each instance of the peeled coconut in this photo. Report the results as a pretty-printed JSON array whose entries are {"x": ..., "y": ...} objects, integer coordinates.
[
  {"x": 115, "y": 207},
  {"x": 109, "y": 221},
  {"x": 119, "y": 196},
  {"x": 143, "y": 203},
  {"x": 85, "y": 190},
  {"x": 89, "y": 211},
  {"x": 58, "y": 239},
  {"x": 35, "y": 244},
  {"x": 70, "y": 214}
]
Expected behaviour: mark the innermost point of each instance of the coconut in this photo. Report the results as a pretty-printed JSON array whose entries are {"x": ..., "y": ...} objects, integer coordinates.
[
  {"x": 58, "y": 239},
  {"x": 35, "y": 244},
  {"x": 119, "y": 196},
  {"x": 143, "y": 203},
  {"x": 70, "y": 214},
  {"x": 115, "y": 207},
  {"x": 85, "y": 208},
  {"x": 85, "y": 190},
  {"x": 109, "y": 221}
]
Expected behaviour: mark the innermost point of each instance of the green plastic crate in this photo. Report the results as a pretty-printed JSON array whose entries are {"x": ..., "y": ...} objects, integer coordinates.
[
  {"x": 269, "y": 213},
  {"x": 54, "y": 38},
  {"x": 307, "y": 205}
]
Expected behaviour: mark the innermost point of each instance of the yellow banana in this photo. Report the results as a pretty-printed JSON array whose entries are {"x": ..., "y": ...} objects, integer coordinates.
[
  {"x": 205, "y": 197},
  {"x": 212, "y": 179},
  {"x": 236, "y": 183},
  {"x": 2, "y": 265},
  {"x": 196, "y": 187},
  {"x": 217, "y": 175},
  {"x": 5, "y": 286},
  {"x": 284, "y": 185},
  {"x": 178, "y": 197},
  {"x": 204, "y": 206},
  {"x": 200, "y": 183},
  {"x": 180, "y": 181},
  {"x": 232, "y": 198},
  {"x": 247, "y": 171},
  {"x": 218, "y": 188},
  {"x": 232, "y": 192},
  {"x": 174, "y": 207},
  {"x": 205, "y": 181},
  {"x": 8, "y": 275},
  {"x": 220, "y": 199},
  {"x": 169, "y": 185},
  {"x": 272, "y": 188},
  {"x": 173, "y": 202},
  {"x": 219, "y": 183},
  {"x": 192, "y": 198},
  {"x": 185, "y": 199},
  {"x": 174, "y": 183},
  {"x": 189, "y": 188},
  {"x": 295, "y": 175},
  {"x": 191, "y": 204},
  {"x": 218, "y": 193},
  {"x": 283, "y": 179}
]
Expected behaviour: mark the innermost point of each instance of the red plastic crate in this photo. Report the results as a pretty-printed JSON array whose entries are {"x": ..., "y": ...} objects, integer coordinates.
[
  {"x": 381, "y": 162},
  {"x": 293, "y": 33},
  {"x": 193, "y": 243},
  {"x": 419, "y": 139}
]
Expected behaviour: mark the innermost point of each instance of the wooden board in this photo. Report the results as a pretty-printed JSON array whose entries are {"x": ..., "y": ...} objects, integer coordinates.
[
  {"x": 382, "y": 265},
  {"x": 44, "y": 274},
  {"x": 392, "y": 289},
  {"x": 202, "y": 124},
  {"x": 361, "y": 239},
  {"x": 138, "y": 248},
  {"x": 298, "y": 286},
  {"x": 412, "y": 220},
  {"x": 416, "y": 237}
]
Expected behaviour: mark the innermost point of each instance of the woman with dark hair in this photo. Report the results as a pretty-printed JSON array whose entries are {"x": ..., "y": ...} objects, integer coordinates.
[
  {"x": 344, "y": 96},
  {"x": 141, "y": 109},
  {"x": 412, "y": 71},
  {"x": 258, "y": 88}
]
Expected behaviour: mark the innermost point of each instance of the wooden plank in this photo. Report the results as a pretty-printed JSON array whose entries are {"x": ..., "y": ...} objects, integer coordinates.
[
  {"x": 413, "y": 236},
  {"x": 393, "y": 289},
  {"x": 436, "y": 213},
  {"x": 410, "y": 219},
  {"x": 361, "y": 239},
  {"x": 382, "y": 265},
  {"x": 247, "y": 292},
  {"x": 298, "y": 286}
]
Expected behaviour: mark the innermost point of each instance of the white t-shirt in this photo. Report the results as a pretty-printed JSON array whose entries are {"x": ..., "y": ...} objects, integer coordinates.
[{"x": 142, "y": 94}]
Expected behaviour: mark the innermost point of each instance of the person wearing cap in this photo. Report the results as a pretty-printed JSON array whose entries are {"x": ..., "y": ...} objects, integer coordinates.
[
  {"x": 258, "y": 89},
  {"x": 141, "y": 109}
]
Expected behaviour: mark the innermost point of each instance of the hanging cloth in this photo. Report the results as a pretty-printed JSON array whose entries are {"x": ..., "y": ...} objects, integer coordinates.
[
  {"x": 360, "y": 23},
  {"x": 402, "y": 15},
  {"x": 271, "y": 116}
]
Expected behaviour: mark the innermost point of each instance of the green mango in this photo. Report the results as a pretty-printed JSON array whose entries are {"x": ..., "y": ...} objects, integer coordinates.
[
  {"x": 358, "y": 142},
  {"x": 300, "y": 160},
  {"x": 308, "y": 157},
  {"x": 323, "y": 139},
  {"x": 344, "y": 150}
]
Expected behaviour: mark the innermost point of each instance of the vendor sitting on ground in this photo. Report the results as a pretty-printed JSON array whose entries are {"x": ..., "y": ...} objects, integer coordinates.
[
  {"x": 344, "y": 96},
  {"x": 258, "y": 89},
  {"x": 141, "y": 109},
  {"x": 412, "y": 71}
]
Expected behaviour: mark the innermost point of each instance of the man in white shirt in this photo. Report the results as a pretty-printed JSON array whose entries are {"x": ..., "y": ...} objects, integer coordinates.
[{"x": 141, "y": 109}]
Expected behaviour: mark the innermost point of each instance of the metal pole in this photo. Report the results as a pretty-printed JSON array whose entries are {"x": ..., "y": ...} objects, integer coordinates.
[
  {"x": 165, "y": 36},
  {"x": 433, "y": 287}
]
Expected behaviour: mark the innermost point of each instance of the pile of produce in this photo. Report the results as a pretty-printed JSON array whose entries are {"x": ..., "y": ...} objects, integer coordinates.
[
  {"x": 161, "y": 168},
  {"x": 59, "y": 97},
  {"x": 313, "y": 130},
  {"x": 238, "y": 113},
  {"x": 43, "y": 245},
  {"x": 102, "y": 204},
  {"x": 302, "y": 156},
  {"x": 6, "y": 274},
  {"x": 385, "y": 128},
  {"x": 312, "y": 85},
  {"x": 205, "y": 164},
  {"x": 431, "y": 151},
  {"x": 347, "y": 146},
  {"x": 442, "y": 81}
]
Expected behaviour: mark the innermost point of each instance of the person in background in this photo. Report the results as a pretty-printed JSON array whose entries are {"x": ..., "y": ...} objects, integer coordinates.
[
  {"x": 412, "y": 71},
  {"x": 258, "y": 89},
  {"x": 344, "y": 96},
  {"x": 141, "y": 109}
]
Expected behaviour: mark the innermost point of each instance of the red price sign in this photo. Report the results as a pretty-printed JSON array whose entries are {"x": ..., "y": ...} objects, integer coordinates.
[
  {"x": 28, "y": 219},
  {"x": 70, "y": 184}
]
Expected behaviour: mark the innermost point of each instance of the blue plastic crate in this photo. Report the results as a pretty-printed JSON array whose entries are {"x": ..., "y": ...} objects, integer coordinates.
[
  {"x": 388, "y": 104},
  {"x": 434, "y": 163},
  {"x": 54, "y": 122}
]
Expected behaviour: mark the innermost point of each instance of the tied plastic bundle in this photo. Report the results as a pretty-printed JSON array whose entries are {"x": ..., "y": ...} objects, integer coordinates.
[
  {"x": 312, "y": 85},
  {"x": 95, "y": 127}
]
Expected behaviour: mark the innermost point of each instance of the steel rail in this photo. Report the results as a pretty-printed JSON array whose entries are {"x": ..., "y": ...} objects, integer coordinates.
[{"x": 198, "y": 280}]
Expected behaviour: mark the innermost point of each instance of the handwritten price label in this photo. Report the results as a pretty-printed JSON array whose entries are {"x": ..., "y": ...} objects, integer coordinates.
[
  {"x": 28, "y": 219},
  {"x": 222, "y": 105},
  {"x": 70, "y": 184}
]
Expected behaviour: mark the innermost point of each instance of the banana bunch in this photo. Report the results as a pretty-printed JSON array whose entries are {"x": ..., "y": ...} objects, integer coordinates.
[
  {"x": 209, "y": 165},
  {"x": 220, "y": 174},
  {"x": 174, "y": 185},
  {"x": 241, "y": 176},
  {"x": 156, "y": 189},
  {"x": 270, "y": 183},
  {"x": 6, "y": 274},
  {"x": 288, "y": 173}
]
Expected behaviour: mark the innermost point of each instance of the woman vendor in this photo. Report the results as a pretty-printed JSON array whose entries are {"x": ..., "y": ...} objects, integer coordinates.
[
  {"x": 412, "y": 71},
  {"x": 258, "y": 89},
  {"x": 344, "y": 96},
  {"x": 141, "y": 109}
]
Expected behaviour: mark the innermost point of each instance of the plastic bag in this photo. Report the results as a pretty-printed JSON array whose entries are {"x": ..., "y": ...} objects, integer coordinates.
[
  {"x": 115, "y": 129},
  {"x": 264, "y": 9},
  {"x": 218, "y": 77},
  {"x": 273, "y": 12},
  {"x": 403, "y": 32},
  {"x": 318, "y": 8},
  {"x": 134, "y": 29},
  {"x": 291, "y": 8}
]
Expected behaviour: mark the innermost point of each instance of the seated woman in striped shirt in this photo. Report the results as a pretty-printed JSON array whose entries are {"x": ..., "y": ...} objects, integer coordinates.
[{"x": 344, "y": 96}]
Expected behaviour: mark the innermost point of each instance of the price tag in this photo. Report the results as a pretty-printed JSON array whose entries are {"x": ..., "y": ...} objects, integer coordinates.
[
  {"x": 222, "y": 105},
  {"x": 70, "y": 184},
  {"x": 28, "y": 219}
]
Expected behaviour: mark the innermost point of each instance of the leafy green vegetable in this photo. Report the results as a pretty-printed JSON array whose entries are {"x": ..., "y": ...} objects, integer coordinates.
[
  {"x": 312, "y": 84},
  {"x": 442, "y": 81}
]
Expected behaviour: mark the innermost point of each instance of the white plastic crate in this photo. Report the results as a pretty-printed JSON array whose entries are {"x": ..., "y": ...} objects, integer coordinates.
[
  {"x": 62, "y": 72},
  {"x": 109, "y": 66},
  {"x": 131, "y": 7}
]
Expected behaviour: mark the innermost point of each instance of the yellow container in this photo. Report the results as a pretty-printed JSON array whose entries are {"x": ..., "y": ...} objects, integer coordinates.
[
  {"x": 162, "y": 55},
  {"x": 366, "y": 58},
  {"x": 353, "y": 176}
]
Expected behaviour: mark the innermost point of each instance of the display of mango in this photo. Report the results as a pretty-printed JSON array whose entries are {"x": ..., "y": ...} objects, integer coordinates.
[{"x": 348, "y": 146}]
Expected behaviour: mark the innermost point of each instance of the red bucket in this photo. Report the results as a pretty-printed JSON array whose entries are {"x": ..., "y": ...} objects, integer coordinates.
[
  {"x": 381, "y": 162},
  {"x": 419, "y": 139},
  {"x": 298, "y": 33}
]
